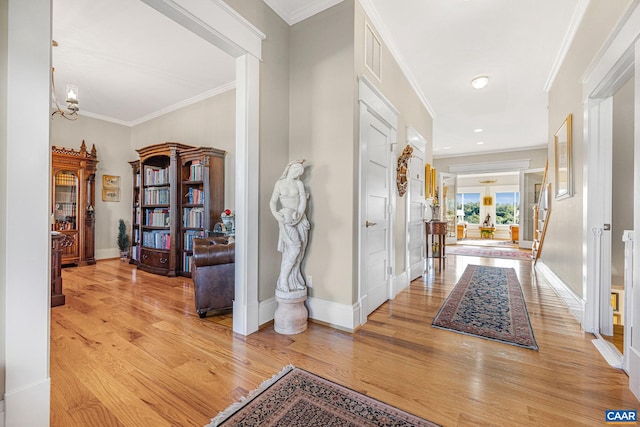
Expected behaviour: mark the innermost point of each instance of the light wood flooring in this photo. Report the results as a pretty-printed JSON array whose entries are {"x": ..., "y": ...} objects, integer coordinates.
[{"x": 128, "y": 349}]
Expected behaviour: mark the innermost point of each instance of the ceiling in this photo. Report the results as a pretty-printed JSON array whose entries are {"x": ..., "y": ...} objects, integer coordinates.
[{"x": 132, "y": 64}]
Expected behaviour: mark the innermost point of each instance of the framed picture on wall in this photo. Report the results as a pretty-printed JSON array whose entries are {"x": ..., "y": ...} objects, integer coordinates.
[{"x": 563, "y": 160}]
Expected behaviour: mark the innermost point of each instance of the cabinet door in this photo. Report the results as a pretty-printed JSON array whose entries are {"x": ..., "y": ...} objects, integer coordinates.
[{"x": 65, "y": 212}]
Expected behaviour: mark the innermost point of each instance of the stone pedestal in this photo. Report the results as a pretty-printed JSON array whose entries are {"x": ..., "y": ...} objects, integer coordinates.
[{"x": 291, "y": 314}]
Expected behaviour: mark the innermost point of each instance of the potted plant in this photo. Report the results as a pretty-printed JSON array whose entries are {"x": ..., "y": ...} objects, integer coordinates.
[{"x": 123, "y": 240}]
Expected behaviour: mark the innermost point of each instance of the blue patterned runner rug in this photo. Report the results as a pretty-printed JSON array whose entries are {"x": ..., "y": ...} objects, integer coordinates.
[
  {"x": 488, "y": 302},
  {"x": 296, "y": 397}
]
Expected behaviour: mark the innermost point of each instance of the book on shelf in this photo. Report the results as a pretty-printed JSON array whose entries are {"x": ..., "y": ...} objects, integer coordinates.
[
  {"x": 195, "y": 171},
  {"x": 195, "y": 196},
  {"x": 157, "y": 239},
  {"x": 189, "y": 235},
  {"x": 156, "y": 196},
  {"x": 193, "y": 217},
  {"x": 154, "y": 175},
  {"x": 158, "y": 217},
  {"x": 186, "y": 262}
]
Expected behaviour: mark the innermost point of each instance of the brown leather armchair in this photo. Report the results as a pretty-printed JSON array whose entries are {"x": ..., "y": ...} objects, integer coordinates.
[{"x": 213, "y": 274}]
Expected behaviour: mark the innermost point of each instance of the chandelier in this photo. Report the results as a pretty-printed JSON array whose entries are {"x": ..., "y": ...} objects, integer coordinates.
[{"x": 71, "y": 111}]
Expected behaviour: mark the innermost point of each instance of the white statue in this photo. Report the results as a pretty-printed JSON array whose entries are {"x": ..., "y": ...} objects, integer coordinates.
[{"x": 293, "y": 225}]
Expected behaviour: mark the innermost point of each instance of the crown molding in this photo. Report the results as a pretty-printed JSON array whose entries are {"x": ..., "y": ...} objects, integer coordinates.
[
  {"x": 182, "y": 104},
  {"x": 293, "y": 15},
  {"x": 574, "y": 24}
]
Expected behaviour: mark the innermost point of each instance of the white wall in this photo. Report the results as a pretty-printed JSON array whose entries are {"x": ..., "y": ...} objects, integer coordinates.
[
  {"x": 24, "y": 190},
  {"x": 3, "y": 189}
]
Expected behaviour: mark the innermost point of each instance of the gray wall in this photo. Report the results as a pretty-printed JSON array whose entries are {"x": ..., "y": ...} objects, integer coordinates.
[
  {"x": 274, "y": 131},
  {"x": 562, "y": 250},
  {"x": 622, "y": 182},
  {"x": 113, "y": 148},
  {"x": 322, "y": 131},
  {"x": 411, "y": 112}
]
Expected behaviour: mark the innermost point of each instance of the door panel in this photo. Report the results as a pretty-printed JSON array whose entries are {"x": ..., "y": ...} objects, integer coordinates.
[
  {"x": 416, "y": 204},
  {"x": 377, "y": 139}
]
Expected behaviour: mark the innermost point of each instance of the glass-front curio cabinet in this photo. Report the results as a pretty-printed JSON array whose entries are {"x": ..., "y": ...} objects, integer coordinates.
[{"x": 73, "y": 201}]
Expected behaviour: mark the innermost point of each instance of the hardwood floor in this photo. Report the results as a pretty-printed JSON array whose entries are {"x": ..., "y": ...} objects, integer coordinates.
[{"x": 128, "y": 349}]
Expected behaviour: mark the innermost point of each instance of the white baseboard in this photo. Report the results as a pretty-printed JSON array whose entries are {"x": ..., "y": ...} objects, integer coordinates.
[
  {"x": 609, "y": 352},
  {"x": 400, "y": 282},
  {"x": 340, "y": 316},
  {"x": 19, "y": 405},
  {"x": 266, "y": 310},
  {"x": 107, "y": 253},
  {"x": 2, "y": 414},
  {"x": 573, "y": 301}
]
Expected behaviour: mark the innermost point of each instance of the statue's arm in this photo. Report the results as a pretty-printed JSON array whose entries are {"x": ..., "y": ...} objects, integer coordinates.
[
  {"x": 273, "y": 203},
  {"x": 302, "y": 205}
]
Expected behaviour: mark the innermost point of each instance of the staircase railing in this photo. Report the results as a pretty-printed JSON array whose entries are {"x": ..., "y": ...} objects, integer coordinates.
[{"x": 541, "y": 212}]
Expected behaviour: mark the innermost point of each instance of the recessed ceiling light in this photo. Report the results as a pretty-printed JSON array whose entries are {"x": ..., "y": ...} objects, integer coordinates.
[
  {"x": 446, "y": 148},
  {"x": 480, "y": 82},
  {"x": 480, "y": 142},
  {"x": 477, "y": 130}
]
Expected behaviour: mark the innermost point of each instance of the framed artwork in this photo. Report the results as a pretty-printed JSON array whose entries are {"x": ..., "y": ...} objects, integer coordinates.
[
  {"x": 110, "y": 194},
  {"x": 427, "y": 181},
  {"x": 487, "y": 201},
  {"x": 564, "y": 160},
  {"x": 110, "y": 181}
]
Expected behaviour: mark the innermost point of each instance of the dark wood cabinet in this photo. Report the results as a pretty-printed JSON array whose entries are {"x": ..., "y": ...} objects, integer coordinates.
[
  {"x": 178, "y": 194},
  {"x": 73, "y": 200},
  {"x": 57, "y": 297}
]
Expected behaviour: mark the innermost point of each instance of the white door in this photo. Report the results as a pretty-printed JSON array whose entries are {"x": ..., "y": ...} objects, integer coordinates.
[
  {"x": 415, "y": 206},
  {"x": 377, "y": 179}
]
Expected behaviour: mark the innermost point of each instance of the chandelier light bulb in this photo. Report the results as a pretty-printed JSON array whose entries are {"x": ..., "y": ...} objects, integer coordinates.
[{"x": 480, "y": 82}]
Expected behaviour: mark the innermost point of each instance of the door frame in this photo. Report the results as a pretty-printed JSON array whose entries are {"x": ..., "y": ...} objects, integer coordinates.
[
  {"x": 418, "y": 142},
  {"x": 225, "y": 28},
  {"x": 611, "y": 70},
  {"x": 372, "y": 101},
  {"x": 526, "y": 244}
]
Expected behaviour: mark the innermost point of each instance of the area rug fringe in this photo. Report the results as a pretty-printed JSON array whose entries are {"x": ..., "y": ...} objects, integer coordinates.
[{"x": 218, "y": 419}]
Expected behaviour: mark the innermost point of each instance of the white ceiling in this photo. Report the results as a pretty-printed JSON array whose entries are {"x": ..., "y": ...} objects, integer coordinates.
[{"x": 131, "y": 63}]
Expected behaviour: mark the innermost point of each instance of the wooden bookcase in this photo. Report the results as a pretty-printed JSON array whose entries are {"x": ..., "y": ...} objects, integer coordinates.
[
  {"x": 73, "y": 200},
  {"x": 179, "y": 192},
  {"x": 134, "y": 250},
  {"x": 201, "y": 198}
]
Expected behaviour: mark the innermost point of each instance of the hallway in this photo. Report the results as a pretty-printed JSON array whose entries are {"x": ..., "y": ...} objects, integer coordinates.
[{"x": 128, "y": 349}]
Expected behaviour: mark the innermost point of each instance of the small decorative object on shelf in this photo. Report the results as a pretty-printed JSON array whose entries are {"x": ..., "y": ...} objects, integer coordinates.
[
  {"x": 228, "y": 220},
  {"x": 123, "y": 240}
]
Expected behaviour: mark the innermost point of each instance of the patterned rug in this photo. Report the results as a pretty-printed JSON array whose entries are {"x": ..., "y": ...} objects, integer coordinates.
[
  {"x": 296, "y": 397},
  {"x": 490, "y": 252},
  {"x": 488, "y": 302}
]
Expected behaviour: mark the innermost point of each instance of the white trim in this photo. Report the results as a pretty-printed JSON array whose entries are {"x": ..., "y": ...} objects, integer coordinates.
[
  {"x": 185, "y": 103},
  {"x": 245, "y": 306},
  {"x": 107, "y": 253},
  {"x": 573, "y": 301},
  {"x": 267, "y": 310},
  {"x": 399, "y": 283},
  {"x": 487, "y": 167},
  {"x": 574, "y": 24},
  {"x": 616, "y": 51},
  {"x": 444, "y": 155},
  {"x": 609, "y": 352},
  {"x": 340, "y": 316},
  {"x": 377, "y": 102},
  {"x": 2, "y": 414},
  {"x": 382, "y": 29},
  {"x": 216, "y": 22},
  {"x": 21, "y": 402},
  {"x": 292, "y": 16}
]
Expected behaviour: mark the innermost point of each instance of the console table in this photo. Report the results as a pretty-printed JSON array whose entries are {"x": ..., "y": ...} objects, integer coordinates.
[
  {"x": 436, "y": 229},
  {"x": 487, "y": 232}
]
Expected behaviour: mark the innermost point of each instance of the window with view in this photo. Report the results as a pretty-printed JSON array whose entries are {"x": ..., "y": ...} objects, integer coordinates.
[
  {"x": 469, "y": 203},
  {"x": 507, "y": 204}
]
